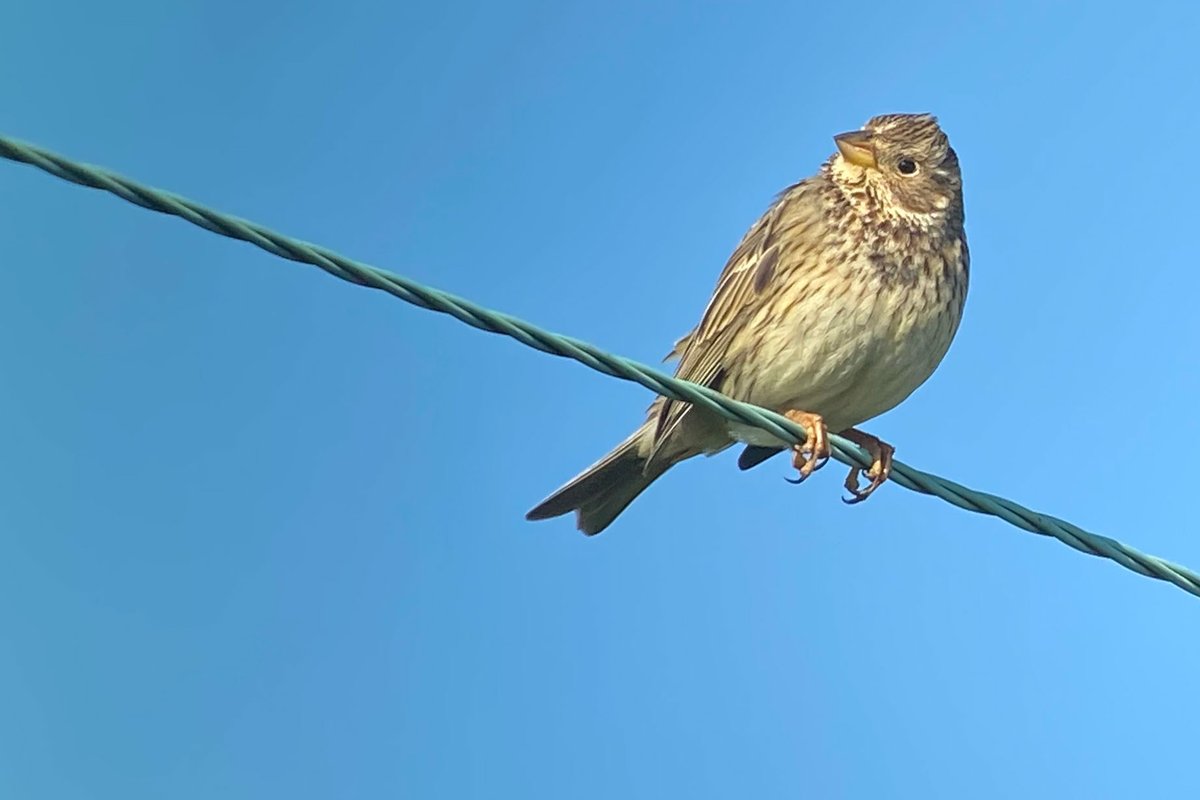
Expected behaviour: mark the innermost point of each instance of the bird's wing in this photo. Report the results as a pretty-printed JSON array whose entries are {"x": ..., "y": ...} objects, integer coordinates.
[{"x": 747, "y": 277}]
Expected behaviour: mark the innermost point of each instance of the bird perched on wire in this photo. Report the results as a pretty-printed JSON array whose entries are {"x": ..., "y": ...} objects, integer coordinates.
[{"x": 837, "y": 304}]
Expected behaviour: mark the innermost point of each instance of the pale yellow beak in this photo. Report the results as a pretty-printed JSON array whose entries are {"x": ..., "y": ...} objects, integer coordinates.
[{"x": 856, "y": 148}]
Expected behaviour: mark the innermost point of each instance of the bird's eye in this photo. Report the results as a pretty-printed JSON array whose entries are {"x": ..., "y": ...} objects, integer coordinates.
[{"x": 907, "y": 166}]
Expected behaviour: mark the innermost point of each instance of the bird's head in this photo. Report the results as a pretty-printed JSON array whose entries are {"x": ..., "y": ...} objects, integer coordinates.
[{"x": 903, "y": 162}]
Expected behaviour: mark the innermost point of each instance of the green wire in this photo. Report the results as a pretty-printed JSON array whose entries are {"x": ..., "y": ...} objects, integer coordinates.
[{"x": 556, "y": 344}]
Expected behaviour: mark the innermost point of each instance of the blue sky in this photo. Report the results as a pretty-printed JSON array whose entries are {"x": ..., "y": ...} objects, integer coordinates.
[{"x": 261, "y": 531}]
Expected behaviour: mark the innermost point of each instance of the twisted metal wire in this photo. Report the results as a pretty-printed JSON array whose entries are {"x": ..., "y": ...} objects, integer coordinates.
[{"x": 555, "y": 344}]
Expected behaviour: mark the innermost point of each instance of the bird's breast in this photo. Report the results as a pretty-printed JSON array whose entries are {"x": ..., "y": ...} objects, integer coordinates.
[{"x": 858, "y": 335}]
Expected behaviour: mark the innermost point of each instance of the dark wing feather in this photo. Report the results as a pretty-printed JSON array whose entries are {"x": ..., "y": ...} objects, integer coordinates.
[
  {"x": 747, "y": 274},
  {"x": 755, "y": 454}
]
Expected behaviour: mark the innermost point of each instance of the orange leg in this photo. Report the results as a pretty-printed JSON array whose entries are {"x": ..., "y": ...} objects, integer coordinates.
[
  {"x": 816, "y": 444},
  {"x": 881, "y": 464}
]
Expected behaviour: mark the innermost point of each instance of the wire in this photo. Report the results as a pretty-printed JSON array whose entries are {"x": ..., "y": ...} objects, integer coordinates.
[{"x": 556, "y": 344}]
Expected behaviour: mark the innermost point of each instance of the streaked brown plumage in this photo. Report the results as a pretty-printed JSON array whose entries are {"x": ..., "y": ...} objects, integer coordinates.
[{"x": 839, "y": 302}]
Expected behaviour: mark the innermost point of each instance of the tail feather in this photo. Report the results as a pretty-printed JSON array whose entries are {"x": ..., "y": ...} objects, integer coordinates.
[{"x": 603, "y": 490}]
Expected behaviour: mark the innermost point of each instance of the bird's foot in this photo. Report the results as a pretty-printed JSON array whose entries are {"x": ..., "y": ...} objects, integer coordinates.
[
  {"x": 881, "y": 465},
  {"x": 813, "y": 454}
]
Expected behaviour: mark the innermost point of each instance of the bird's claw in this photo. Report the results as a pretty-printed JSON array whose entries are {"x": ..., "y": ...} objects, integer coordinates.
[
  {"x": 881, "y": 466},
  {"x": 816, "y": 445}
]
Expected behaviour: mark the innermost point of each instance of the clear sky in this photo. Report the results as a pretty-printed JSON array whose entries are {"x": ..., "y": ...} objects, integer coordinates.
[{"x": 261, "y": 531}]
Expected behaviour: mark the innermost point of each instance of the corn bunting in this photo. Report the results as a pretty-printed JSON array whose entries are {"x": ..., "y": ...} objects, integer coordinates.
[{"x": 837, "y": 304}]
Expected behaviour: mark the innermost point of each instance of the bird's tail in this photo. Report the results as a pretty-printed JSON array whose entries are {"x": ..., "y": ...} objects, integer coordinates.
[{"x": 603, "y": 490}]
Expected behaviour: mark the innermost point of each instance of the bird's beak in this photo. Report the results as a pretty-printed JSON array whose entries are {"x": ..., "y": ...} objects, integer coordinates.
[{"x": 856, "y": 148}]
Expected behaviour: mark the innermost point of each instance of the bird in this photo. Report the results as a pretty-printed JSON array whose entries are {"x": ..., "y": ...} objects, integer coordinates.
[{"x": 837, "y": 304}]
